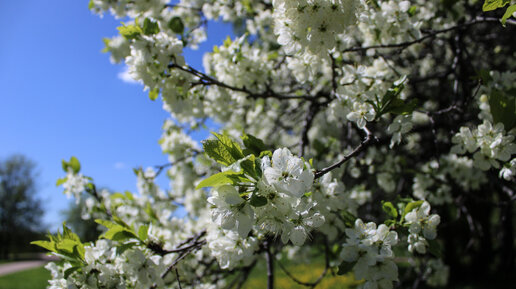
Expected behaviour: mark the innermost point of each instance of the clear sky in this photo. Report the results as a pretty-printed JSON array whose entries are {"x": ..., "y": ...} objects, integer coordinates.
[{"x": 60, "y": 96}]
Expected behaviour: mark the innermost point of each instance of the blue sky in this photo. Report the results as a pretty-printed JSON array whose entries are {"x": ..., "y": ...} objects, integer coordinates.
[{"x": 61, "y": 97}]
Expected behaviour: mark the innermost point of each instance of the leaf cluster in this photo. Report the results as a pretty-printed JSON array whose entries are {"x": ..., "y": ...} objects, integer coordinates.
[
  {"x": 67, "y": 246},
  {"x": 391, "y": 101},
  {"x": 243, "y": 164}
]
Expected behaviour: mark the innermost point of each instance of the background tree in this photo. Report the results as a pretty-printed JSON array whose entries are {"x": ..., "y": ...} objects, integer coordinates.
[
  {"x": 86, "y": 229},
  {"x": 20, "y": 210}
]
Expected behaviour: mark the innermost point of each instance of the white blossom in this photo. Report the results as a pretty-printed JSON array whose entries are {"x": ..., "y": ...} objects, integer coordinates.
[{"x": 288, "y": 174}]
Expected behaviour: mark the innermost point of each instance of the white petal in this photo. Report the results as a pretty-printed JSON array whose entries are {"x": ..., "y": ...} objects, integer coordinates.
[{"x": 298, "y": 235}]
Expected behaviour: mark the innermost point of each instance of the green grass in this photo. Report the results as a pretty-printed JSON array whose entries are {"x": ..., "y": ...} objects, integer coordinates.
[
  {"x": 301, "y": 271},
  {"x": 29, "y": 279}
]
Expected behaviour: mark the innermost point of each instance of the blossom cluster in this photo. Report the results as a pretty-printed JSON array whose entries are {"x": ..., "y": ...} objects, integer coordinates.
[
  {"x": 287, "y": 212},
  {"x": 422, "y": 227},
  {"x": 370, "y": 248},
  {"x": 488, "y": 143},
  {"x": 312, "y": 25}
]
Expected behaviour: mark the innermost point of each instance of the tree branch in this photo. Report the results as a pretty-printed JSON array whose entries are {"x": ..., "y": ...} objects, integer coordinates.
[
  {"x": 178, "y": 282},
  {"x": 312, "y": 111},
  {"x": 369, "y": 139},
  {"x": 270, "y": 265},
  {"x": 430, "y": 34},
  {"x": 268, "y": 93}
]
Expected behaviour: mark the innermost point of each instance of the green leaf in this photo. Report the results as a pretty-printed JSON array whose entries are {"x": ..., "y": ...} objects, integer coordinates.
[
  {"x": 249, "y": 167},
  {"x": 68, "y": 234},
  {"x": 223, "y": 149},
  {"x": 508, "y": 13},
  {"x": 90, "y": 187},
  {"x": 176, "y": 25},
  {"x": 257, "y": 200},
  {"x": 74, "y": 164},
  {"x": 143, "y": 232},
  {"x": 254, "y": 144},
  {"x": 345, "y": 267},
  {"x": 117, "y": 196},
  {"x": 120, "y": 222},
  {"x": 391, "y": 102},
  {"x": 503, "y": 108},
  {"x": 91, "y": 5},
  {"x": 266, "y": 153},
  {"x": 411, "y": 206},
  {"x": 124, "y": 247},
  {"x": 66, "y": 245},
  {"x": 349, "y": 219},
  {"x": 64, "y": 165},
  {"x": 106, "y": 45},
  {"x": 389, "y": 209},
  {"x": 129, "y": 195},
  {"x": 150, "y": 27},
  {"x": 79, "y": 251},
  {"x": 105, "y": 223},
  {"x": 398, "y": 106},
  {"x": 390, "y": 223},
  {"x": 394, "y": 91},
  {"x": 49, "y": 245},
  {"x": 232, "y": 146},
  {"x": 122, "y": 235},
  {"x": 130, "y": 31},
  {"x": 116, "y": 232},
  {"x": 490, "y": 5},
  {"x": 71, "y": 270},
  {"x": 153, "y": 94},
  {"x": 61, "y": 181},
  {"x": 412, "y": 10},
  {"x": 217, "y": 152},
  {"x": 223, "y": 178},
  {"x": 150, "y": 211}
]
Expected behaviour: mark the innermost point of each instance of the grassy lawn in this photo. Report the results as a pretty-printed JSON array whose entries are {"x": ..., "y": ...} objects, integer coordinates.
[
  {"x": 36, "y": 278},
  {"x": 301, "y": 271}
]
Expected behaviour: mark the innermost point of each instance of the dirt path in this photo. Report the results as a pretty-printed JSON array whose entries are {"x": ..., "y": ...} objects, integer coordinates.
[{"x": 20, "y": 266}]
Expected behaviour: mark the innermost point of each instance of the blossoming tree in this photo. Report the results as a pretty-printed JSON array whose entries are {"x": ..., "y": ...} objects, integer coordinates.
[{"x": 351, "y": 130}]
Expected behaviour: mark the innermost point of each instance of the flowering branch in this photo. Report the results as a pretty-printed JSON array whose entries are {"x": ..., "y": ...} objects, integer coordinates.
[
  {"x": 268, "y": 93},
  {"x": 430, "y": 34},
  {"x": 184, "y": 252}
]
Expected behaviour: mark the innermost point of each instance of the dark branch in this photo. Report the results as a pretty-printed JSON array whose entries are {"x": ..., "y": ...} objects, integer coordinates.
[
  {"x": 430, "y": 34},
  {"x": 270, "y": 265},
  {"x": 205, "y": 79},
  {"x": 312, "y": 111},
  {"x": 178, "y": 282},
  {"x": 369, "y": 139}
]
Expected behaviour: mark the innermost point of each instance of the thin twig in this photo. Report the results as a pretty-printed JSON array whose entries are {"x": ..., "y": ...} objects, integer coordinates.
[
  {"x": 320, "y": 278},
  {"x": 205, "y": 79},
  {"x": 270, "y": 265},
  {"x": 178, "y": 282},
  {"x": 365, "y": 143},
  {"x": 181, "y": 257},
  {"x": 430, "y": 34}
]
